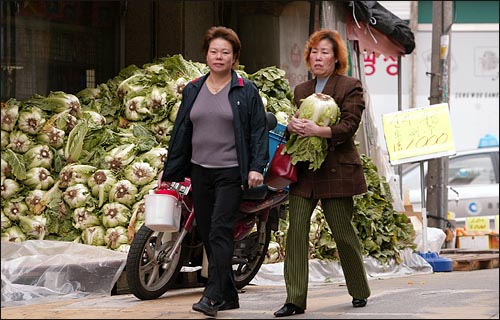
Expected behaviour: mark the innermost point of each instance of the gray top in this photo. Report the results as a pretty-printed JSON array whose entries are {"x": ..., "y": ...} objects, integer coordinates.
[
  {"x": 320, "y": 85},
  {"x": 213, "y": 130}
]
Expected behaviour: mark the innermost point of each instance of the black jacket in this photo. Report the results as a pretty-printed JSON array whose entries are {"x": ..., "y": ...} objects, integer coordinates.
[{"x": 251, "y": 135}]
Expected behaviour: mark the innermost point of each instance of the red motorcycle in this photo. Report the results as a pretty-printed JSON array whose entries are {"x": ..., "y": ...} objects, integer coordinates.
[{"x": 156, "y": 258}]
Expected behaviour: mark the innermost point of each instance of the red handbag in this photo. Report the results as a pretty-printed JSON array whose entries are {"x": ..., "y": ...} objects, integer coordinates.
[{"x": 281, "y": 172}]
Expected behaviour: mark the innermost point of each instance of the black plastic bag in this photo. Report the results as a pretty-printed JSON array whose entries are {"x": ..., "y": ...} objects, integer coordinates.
[{"x": 383, "y": 20}]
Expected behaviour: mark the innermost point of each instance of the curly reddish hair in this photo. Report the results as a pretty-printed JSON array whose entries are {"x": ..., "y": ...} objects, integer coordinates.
[{"x": 338, "y": 45}]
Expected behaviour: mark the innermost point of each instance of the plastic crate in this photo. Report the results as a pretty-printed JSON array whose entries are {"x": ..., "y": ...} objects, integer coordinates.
[
  {"x": 279, "y": 129},
  {"x": 493, "y": 241},
  {"x": 275, "y": 136},
  {"x": 438, "y": 264}
]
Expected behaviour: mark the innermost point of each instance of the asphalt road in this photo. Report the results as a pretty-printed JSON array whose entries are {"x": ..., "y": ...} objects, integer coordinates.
[{"x": 441, "y": 295}]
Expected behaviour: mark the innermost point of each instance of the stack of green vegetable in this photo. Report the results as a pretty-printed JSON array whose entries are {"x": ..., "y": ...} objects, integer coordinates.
[
  {"x": 383, "y": 231},
  {"x": 275, "y": 92}
]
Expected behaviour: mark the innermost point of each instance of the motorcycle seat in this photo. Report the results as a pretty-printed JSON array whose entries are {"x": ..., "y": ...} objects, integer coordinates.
[{"x": 256, "y": 193}]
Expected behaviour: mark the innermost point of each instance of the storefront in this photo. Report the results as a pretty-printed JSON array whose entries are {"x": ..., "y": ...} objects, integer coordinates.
[{"x": 70, "y": 45}]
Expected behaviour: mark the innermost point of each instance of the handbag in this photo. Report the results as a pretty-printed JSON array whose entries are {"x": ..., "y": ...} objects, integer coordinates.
[{"x": 280, "y": 172}]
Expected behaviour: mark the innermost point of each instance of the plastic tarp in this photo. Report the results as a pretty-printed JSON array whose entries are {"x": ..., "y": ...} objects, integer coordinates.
[
  {"x": 37, "y": 270},
  {"x": 322, "y": 271}
]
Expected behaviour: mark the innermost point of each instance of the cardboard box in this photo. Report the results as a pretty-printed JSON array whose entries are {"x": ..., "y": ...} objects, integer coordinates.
[
  {"x": 408, "y": 207},
  {"x": 473, "y": 242},
  {"x": 418, "y": 215},
  {"x": 415, "y": 219}
]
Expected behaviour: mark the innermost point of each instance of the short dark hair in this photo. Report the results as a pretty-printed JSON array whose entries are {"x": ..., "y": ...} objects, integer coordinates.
[
  {"x": 227, "y": 34},
  {"x": 338, "y": 45}
]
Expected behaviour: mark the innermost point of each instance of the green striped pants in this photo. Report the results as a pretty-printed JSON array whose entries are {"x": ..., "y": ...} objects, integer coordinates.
[{"x": 338, "y": 213}]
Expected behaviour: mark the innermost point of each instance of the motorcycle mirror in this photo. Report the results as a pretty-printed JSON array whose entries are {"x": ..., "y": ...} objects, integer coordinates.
[{"x": 272, "y": 122}]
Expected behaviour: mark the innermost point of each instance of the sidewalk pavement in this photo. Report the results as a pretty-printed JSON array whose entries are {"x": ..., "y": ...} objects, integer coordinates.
[{"x": 450, "y": 295}]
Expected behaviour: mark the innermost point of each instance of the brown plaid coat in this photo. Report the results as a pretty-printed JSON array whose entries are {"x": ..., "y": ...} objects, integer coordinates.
[{"x": 341, "y": 174}]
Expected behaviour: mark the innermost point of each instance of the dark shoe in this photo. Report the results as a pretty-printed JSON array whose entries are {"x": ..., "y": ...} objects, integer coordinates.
[
  {"x": 206, "y": 306},
  {"x": 228, "y": 305},
  {"x": 288, "y": 309},
  {"x": 358, "y": 303}
]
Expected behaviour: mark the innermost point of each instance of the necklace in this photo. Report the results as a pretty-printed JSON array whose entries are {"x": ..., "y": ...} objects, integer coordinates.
[{"x": 215, "y": 89}]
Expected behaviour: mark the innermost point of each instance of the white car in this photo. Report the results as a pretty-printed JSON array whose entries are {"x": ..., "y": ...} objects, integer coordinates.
[{"x": 472, "y": 184}]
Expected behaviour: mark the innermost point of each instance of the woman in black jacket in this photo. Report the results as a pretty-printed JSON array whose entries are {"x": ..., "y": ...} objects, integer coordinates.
[{"x": 220, "y": 140}]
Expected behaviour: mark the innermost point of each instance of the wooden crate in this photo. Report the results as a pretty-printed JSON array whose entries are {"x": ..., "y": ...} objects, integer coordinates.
[{"x": 469, "y": 260}]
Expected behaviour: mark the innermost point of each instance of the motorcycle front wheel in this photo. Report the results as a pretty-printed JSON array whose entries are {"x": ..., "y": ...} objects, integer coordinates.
[
  {"x": 250, "y": 252},
  {"x": 150, "y": 273}
]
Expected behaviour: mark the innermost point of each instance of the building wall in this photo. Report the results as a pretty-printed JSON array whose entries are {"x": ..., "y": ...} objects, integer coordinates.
[
  {"x": 138, "y": 32},
  {"x": 178, "y": 27},
  {"x": 294, "y": 32},
  {"x": 198, "y": 16},
  {"x": 51, "y": 45}
]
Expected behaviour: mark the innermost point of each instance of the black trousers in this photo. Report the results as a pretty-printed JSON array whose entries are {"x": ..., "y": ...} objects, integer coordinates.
[{"x": 216, "y": 199}]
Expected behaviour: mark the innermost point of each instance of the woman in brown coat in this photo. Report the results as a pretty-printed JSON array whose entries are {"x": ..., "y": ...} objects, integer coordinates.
[{"x": 339, "y": 178}]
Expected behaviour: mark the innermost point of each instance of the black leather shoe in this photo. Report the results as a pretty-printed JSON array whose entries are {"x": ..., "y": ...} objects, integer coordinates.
[
  {"x": 288, "y": 309},
  {"x": 358, "y": 303},
  {"x": 228, "y": 305},
  {"x": 206, "y": 306}
]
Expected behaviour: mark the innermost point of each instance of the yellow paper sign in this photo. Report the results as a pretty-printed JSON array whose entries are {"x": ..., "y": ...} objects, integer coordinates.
[
  {"x": 496, "y": 223},
  {"x": 477, "y": 223},
  {"x": 418, "y": 134}
]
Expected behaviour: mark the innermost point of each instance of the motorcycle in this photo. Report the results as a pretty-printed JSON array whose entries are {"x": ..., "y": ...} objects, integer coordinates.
[{"x": 156, "y": 258}]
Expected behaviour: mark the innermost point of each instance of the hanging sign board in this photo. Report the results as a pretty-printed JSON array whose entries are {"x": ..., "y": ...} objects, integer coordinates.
[{"x": 418, "y": 134}]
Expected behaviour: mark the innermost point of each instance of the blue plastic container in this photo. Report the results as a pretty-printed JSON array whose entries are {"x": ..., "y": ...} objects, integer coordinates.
[
  {"x": 438, "y": 264},
  {"x": 488, "y": 140},
  {"x": 275, "y": 136}
]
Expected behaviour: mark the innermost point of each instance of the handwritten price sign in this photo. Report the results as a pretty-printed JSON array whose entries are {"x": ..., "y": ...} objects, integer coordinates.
[
  {"x": 477, "y": 223},
  {"x": 418, "y": 134}
]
